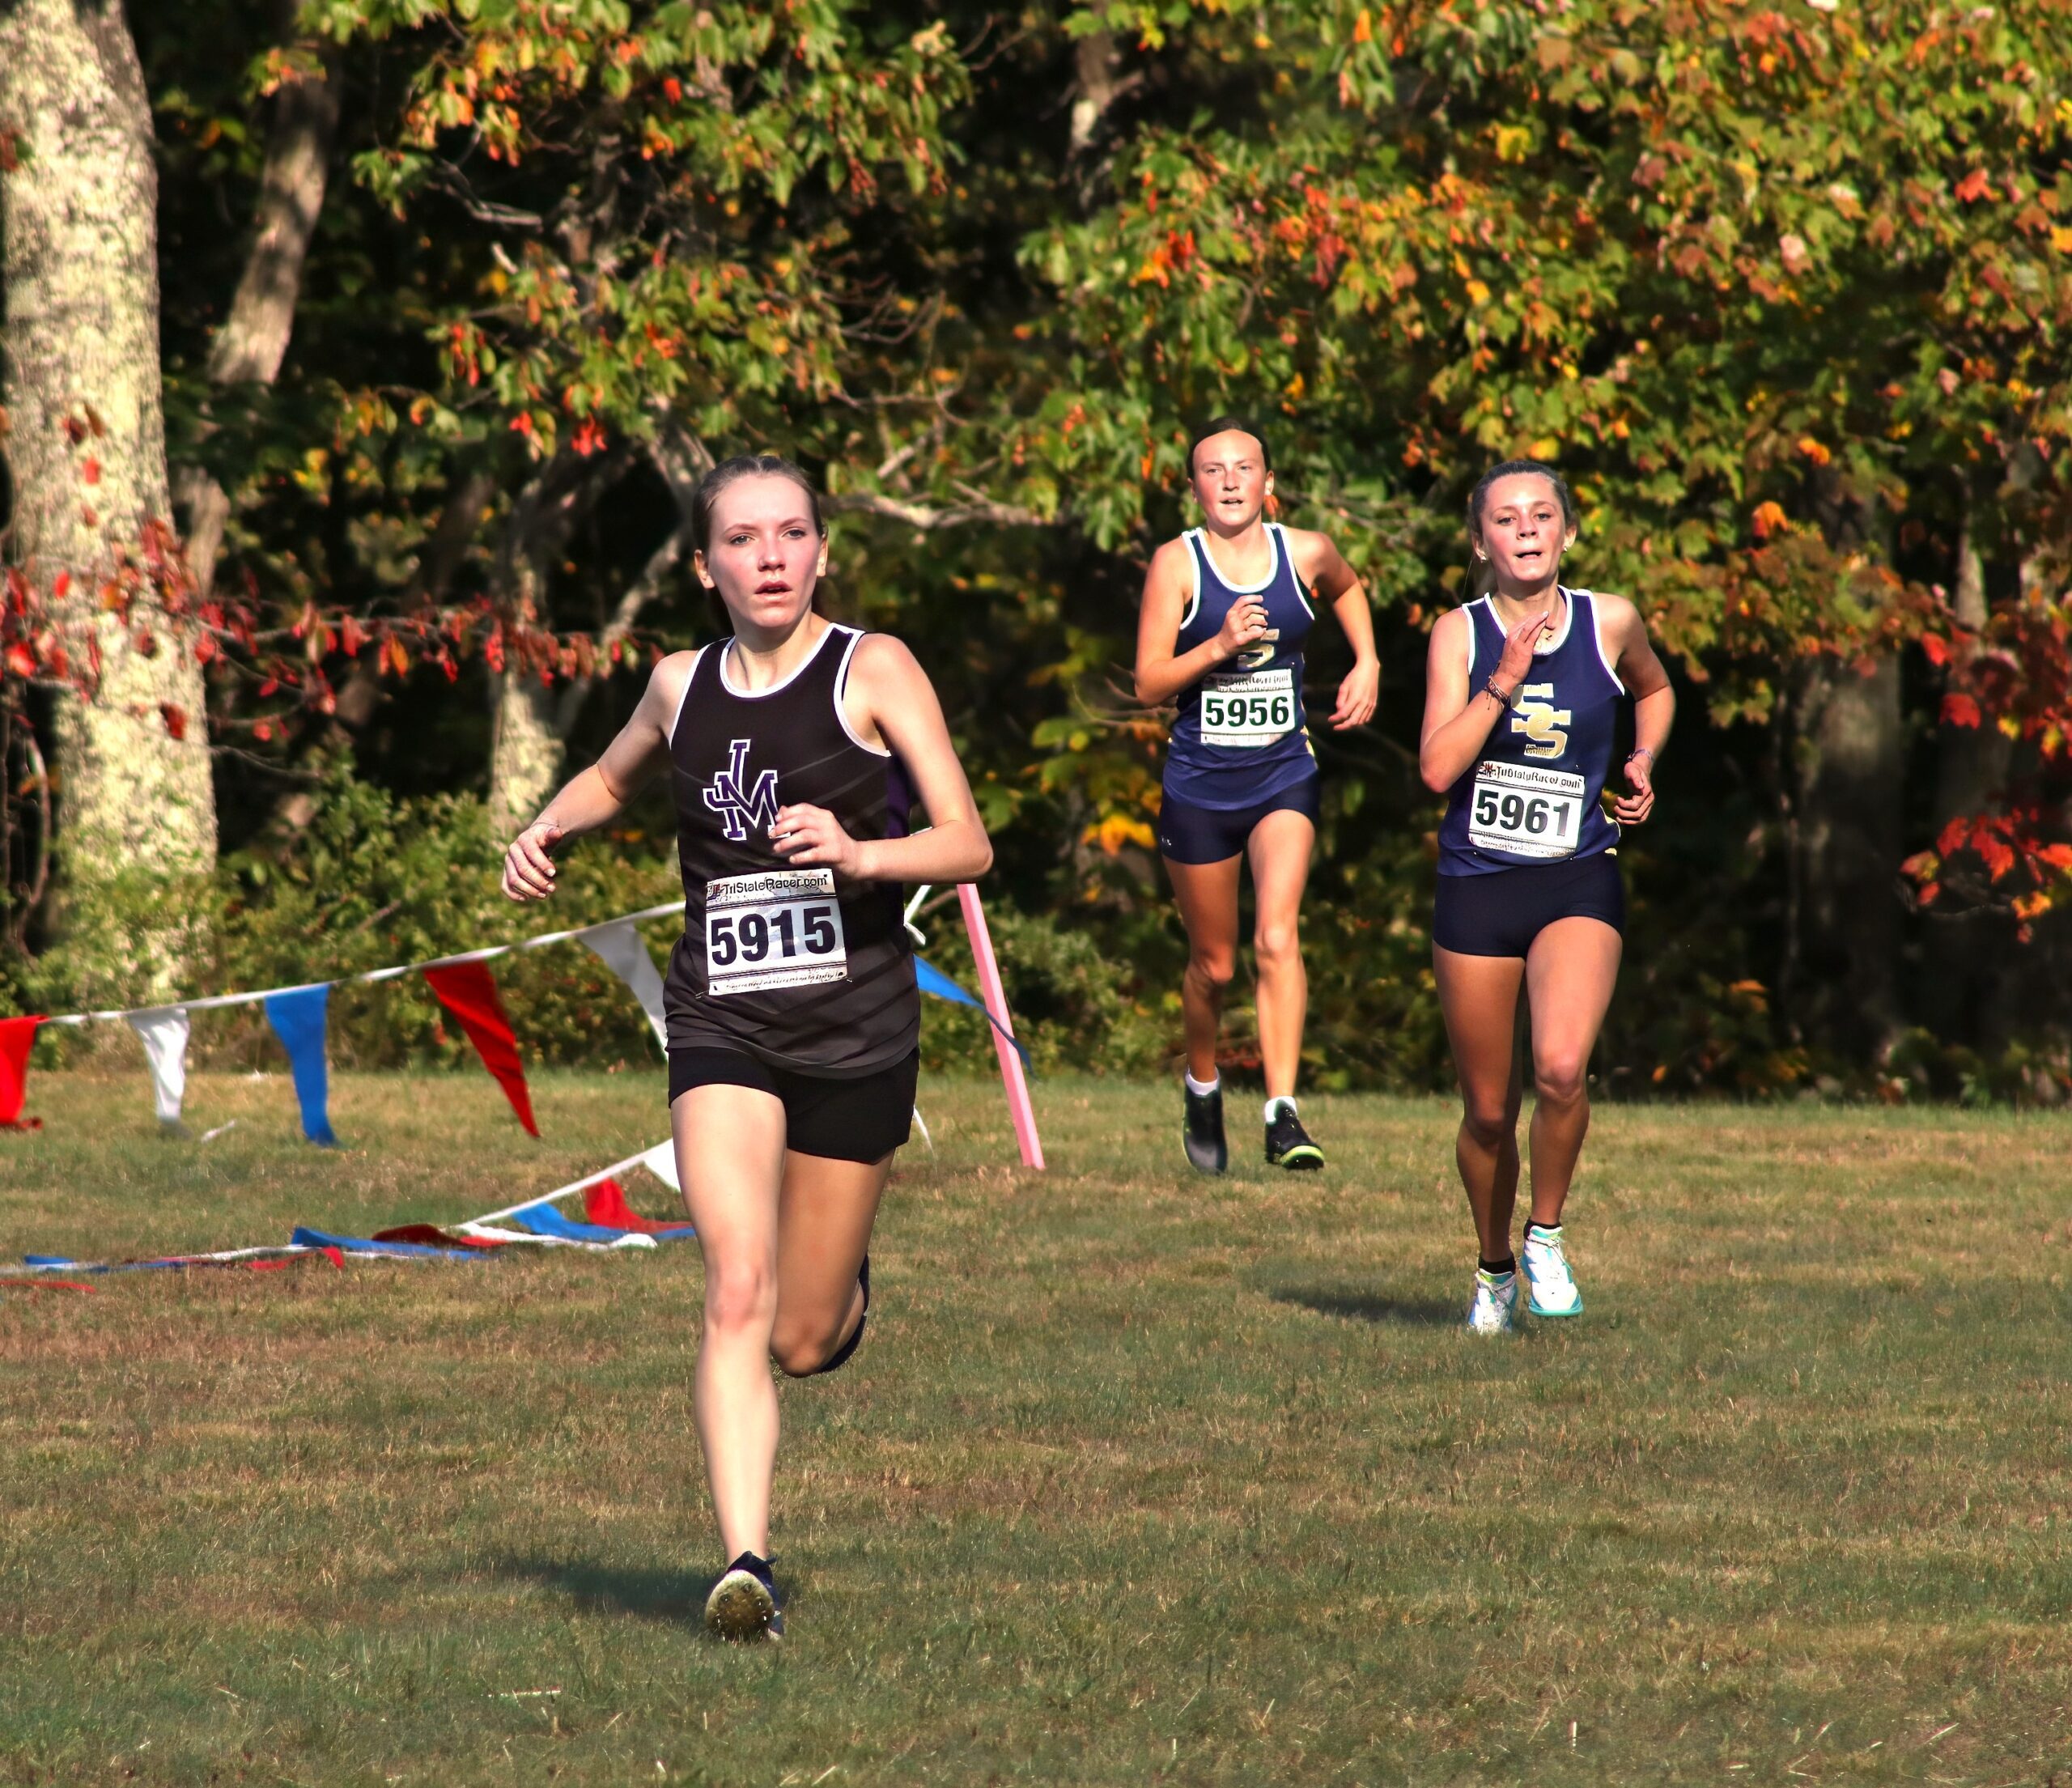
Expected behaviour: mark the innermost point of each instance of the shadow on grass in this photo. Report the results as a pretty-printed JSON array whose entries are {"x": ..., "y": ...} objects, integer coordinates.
[
  {"x": 676, "y": 1598},
  {"x": 1363, "y": 1306}
]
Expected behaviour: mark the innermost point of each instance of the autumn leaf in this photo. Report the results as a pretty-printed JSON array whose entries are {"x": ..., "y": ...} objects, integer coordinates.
[{"x": 1960, "y": 709}]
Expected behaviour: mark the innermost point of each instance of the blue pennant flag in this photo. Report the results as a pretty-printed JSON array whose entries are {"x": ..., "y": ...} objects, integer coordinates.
[
  {"x": 933, "y": 980},
  {"x": 298, "y": 1020}
]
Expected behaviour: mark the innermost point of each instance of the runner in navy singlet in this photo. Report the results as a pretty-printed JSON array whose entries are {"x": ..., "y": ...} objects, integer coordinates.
[
  {"x": 1524, "y": 687},
  {"x": 1226, "y": 609},
  {"x": 794, "y": 748}
]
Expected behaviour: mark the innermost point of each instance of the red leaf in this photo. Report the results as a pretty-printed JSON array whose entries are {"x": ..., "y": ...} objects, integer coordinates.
[
  {"x": 20, "y": 660},
  {"x": 62, "y": 583},
  {"x": 175, "y": 719},
  {"x": 90, "y": 472},
  {"x": 1936, "y": 647},
  {"x": 1974, "y": 186},
  {"x": 1960, "y": 711}
]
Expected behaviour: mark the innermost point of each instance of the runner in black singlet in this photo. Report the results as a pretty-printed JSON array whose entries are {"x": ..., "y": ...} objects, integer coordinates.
[
  {"x": 1523, "y": 688},
  {"x": 793, "y": 1016}
]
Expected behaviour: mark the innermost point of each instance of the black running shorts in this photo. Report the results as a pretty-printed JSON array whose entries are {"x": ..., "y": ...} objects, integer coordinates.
[
  {"x": 1500, "y": 914},
  {"x": 862, "y": 1119},
  {"x": 1188, "y": 833}
]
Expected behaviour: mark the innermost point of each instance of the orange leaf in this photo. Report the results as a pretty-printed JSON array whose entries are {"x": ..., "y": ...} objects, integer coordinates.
[
  {"x": 1960, "y": 711},
  {"x": 1974, "y": 186}
]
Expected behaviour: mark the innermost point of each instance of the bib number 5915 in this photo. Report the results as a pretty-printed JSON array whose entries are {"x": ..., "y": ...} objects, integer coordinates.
[{"x": 779, "y": 929}]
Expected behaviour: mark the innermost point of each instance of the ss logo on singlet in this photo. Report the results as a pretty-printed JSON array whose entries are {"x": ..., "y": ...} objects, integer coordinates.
[{"x": 1540, "y": 721}]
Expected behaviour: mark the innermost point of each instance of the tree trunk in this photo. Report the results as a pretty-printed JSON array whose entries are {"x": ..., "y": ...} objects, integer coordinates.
[
  {"x": 87, "y": 452},
  {"x": 253, "y": 341},
  {"x": 1971, "y": 946},
  {"x": 525, "y": 750},
  {"x": 1845, "y": 990}
]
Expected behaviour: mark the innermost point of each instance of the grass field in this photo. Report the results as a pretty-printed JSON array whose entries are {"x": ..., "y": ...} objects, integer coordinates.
[{"x": 1139, "y": 1478}]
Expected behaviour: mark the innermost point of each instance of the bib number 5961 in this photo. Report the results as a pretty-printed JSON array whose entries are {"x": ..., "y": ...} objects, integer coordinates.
[{"x": 1523, "y": 810}]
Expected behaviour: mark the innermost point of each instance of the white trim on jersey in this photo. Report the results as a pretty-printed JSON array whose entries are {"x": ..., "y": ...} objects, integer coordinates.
[
  {"x": 1273, "y": 570},
  {"x": 1597, "y": 632},
  {"x": 841, "y": 689},
  {"x": 1469, "y": 612},
  {"x": 783, "y": 682},
  {"x": 1193, "y": 571},
  {"x": 676, "y": 719},
  {"x": 1295, "y": 572}
]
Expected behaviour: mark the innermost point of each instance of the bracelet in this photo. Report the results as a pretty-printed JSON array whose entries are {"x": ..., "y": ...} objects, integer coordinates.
[
  {"x": 1641, "y": 751},
  {"x": 1503, "y": 698}
]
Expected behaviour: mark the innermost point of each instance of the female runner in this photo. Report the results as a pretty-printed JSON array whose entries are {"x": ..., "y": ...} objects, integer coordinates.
[
  {"x": 1226, "y": 607},
  {"x": 1521, "y": 691},
  {"x": 793, "y": 1016}
]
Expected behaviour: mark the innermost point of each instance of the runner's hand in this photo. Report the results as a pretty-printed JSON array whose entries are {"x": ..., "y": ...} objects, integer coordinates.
[
  {"x": 1244, "y": 626},
  {"x": 811, "y": 837},
  {"x": 1357, "y": 696},
  {"x": 1518, "y": 643},
  {"x": 1631, "y": 809},
  {"x": 528, "y": 866}
]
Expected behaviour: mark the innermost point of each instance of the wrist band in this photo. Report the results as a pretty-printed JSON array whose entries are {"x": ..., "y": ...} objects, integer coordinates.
[
  {"x": 1641, "y": 751},
  {"x": 1503, "y": 698}
]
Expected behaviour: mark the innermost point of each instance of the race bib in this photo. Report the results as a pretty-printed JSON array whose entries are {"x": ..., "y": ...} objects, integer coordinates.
[
  {"x": 1525, "y": 810},
  {"x": 1249, "y": 710},
  {"x": 781, "y": 928}
]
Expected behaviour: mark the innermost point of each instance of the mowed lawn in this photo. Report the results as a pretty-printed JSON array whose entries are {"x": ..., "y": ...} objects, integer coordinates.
[{"x": 1139, "y": 1477}]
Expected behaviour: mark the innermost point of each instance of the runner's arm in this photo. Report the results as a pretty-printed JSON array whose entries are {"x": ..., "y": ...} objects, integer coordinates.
[
  {"x": 1654, "y": 704},
  {"x": 1458, "y": 721},
  {"x": 1167, "y": 588},
  {"x": 1320, "y": 565},
  {"x": 898, "y": 704},
  {"x": 595, "y": 796}
]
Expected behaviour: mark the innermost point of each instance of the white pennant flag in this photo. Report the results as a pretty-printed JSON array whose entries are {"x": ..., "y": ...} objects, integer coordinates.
[
  {"x": 163, "y": 1030},
  {"x": 625, "y": 953},
  {"x": 661, "y": 1162}
]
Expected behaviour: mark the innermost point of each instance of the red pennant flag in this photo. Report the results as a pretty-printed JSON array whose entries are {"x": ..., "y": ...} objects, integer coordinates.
[
  {"x": 605, "y": 1204},
  {"x": 468, "y": 991},
  {"x": 16, "y": 1034}
]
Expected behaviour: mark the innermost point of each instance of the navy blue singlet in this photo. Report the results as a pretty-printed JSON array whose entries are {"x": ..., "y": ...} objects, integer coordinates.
[
  {"x": 1241, "y": 736},
  {"x": 1532, "y": 795}
]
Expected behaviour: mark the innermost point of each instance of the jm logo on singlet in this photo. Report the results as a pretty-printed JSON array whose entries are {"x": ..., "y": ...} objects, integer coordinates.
[
  {"x": 741, "y": 806},
  {"x": 1538, "y": 719}
]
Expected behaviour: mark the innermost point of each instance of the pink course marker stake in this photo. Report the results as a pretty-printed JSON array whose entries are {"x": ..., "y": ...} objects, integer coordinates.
[{"x": 995, "y": 998}]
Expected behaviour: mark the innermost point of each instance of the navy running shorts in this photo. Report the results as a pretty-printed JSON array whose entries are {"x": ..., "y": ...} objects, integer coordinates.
[
  {"x": 1500, "y": 914},
  {"x": 1191, "y": 834},
  {"x": 861, "y": 1119}
]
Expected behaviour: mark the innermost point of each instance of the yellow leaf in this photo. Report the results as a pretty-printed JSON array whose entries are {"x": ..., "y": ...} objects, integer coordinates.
[
  {"x": 2061, "y": 239},
  {"x": 1478, "y": 294}
]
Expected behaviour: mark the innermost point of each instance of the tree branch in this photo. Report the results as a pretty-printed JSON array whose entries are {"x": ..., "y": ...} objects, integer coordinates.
[{"x": 924, "y": 517}]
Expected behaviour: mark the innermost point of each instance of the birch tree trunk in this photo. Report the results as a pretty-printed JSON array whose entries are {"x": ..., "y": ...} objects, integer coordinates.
[{"x": 86, "y": 451}]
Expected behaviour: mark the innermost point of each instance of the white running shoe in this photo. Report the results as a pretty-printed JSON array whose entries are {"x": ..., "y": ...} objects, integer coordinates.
[
  {"x": 1495, "y": 1309},
  {"x": 1547, "y": 1275}
]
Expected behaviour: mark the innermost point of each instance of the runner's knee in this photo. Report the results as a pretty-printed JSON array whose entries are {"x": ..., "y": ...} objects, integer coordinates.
[
  {"x": 1562, "y": 1080},
  {"x": 740, "y": 1299},
  {"x": 801, "y": 1344},
  {"x": 1277, "y": 944},
  {"x": 1216, "y": 967},
  {"x": 1488, "y": 1122}
]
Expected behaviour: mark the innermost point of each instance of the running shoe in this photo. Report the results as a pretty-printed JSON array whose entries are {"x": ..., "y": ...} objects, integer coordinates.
[
  {"x": 1202, "y": 1131},
  {"x": 1288, "y": 1144},
  {"x": 1547, "y": 1275},
  {"x": 743, "y": 1604},
  {"x": 1495, "y": 1310}
]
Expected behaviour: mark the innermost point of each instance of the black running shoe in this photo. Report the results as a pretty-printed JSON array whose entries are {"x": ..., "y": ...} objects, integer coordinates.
[
  {"x": 1202, "y": 1131},
  {"x": 743, "y": 1604},
  {"x": 840, "y": 1357},
  {"x": 1288, "y": 1144}
]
